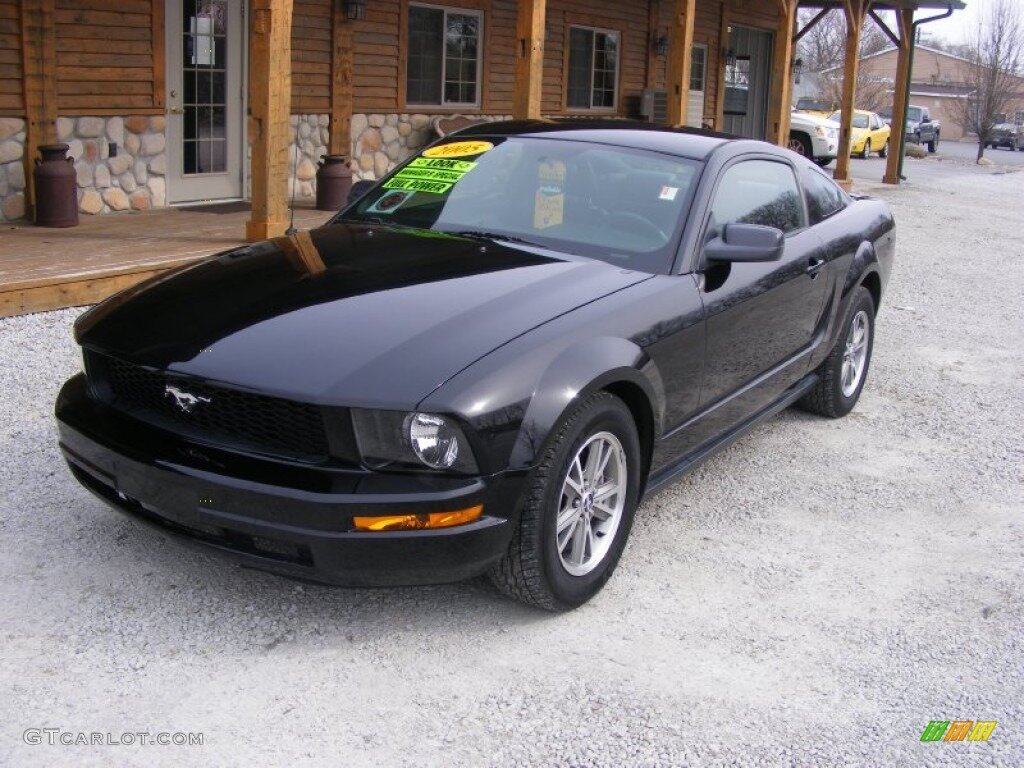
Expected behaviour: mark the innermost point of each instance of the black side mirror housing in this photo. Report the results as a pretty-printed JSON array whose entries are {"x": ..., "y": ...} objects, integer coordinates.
[
  {"x": 746, "y": 243},
  {"x": 359, "y": 189}
]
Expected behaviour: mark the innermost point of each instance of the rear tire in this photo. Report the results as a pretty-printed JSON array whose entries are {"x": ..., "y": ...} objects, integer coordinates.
[
  {"x": 866, "y": 149},
  {"x": 933, "y": 145},
  {"x": 535, "y": 570},
  {"x": 836, "y": 394}
]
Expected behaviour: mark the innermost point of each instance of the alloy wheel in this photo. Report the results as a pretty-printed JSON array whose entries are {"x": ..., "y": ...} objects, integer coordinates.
[
  {"x": 855, "y": 356},
  {"x": 591, "y": 503}
]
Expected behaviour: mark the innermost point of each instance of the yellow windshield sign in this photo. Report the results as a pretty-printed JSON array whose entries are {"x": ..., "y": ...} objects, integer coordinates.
[{"x": 458, "y": 149}]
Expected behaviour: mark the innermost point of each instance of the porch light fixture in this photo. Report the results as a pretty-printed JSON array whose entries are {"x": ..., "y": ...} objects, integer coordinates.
[
  {"x": 730, "y": 57},
  {"x": 660, "y": 44},
  {"x": 355, "y": 10}
]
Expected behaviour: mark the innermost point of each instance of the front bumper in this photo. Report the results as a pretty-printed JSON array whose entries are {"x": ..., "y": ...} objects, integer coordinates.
[
  {"x": 824, "y": 148},
  {"x": 295, "y": 520}
]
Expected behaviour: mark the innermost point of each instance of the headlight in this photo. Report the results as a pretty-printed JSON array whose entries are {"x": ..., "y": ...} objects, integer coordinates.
[{"x": 398, "y": 440}]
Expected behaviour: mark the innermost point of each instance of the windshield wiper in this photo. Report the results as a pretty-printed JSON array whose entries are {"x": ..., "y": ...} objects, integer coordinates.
[{"x": 480, "y": 234}]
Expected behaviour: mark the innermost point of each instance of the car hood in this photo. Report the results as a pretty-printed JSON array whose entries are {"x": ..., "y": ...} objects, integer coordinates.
[
  {"x": 361, "y": 315},
  {"x": 807, "y": 119}
]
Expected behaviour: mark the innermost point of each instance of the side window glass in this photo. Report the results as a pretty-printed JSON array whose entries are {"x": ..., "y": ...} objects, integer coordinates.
[
  {"x": 758, "y": 192},
  {"x": 824, "y": 197}
]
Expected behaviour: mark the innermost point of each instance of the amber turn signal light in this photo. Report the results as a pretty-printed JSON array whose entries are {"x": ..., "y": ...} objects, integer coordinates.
[{"x": 418, "y": 522}]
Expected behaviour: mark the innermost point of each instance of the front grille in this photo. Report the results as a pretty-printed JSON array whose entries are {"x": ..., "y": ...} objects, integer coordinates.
[{"x": 219, "y": 416}]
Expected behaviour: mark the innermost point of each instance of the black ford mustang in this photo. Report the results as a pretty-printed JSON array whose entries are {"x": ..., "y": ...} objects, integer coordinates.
[{"x": 486, "y": 361}]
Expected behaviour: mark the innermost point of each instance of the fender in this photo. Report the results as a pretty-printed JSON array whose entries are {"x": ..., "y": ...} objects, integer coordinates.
[{"x": 578, "y": 372}]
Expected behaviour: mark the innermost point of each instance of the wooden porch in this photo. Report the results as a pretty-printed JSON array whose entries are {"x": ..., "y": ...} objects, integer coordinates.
[{"x": 45, "y": 269}]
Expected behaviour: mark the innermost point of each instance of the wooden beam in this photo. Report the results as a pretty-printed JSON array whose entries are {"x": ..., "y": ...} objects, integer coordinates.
[
  {"x": 270, "y": 89},
  {"x": 39, "y": 67},
  {"x": 854, "y": 11},
  {"x": 341, "y": 84},
  {"x": 159, "y": 54},
  {"x": 680, "y": 54},
  {"x": 780, "y": 100},
  {"x": 905, "y": 21},
  {"x": 526, "y": 97}
]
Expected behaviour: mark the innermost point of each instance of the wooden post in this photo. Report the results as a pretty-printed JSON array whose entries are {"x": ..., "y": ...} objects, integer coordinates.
[
  {"x": 854, "y": 11},
  {"x": 898, "y": 126},
  {"x": 39, "y": 71},
  {"x": 680, "y": 54},
  {"x": 526, "y": 98},
  {"x": 780, "y": 101},
  {"x": 341, "y": 84},
  {"x": 270, "y": 98}
]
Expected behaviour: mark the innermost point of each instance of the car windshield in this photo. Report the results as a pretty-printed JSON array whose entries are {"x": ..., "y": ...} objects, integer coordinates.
[
  {"x": 813, "y": 104},
  {"x": 616, "y": 204},
  {"x": 859, "y": 121},
  {"x": 914, "y": 113}
]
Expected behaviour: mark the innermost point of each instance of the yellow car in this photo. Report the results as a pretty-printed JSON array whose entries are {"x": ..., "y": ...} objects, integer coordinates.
[{"x": 870, "y": 133}]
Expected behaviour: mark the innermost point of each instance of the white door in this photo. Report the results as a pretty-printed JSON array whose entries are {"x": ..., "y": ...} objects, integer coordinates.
[
  {"x": 698, "y": 70},
  {"x": 204, "y": 99}
]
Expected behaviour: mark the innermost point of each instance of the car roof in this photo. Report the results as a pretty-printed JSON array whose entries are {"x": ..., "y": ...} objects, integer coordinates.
[{"x": 691, "y": 143}]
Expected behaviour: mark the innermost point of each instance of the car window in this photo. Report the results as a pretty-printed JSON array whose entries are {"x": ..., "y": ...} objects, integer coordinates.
[
  {"x": 914, "y": 114},
  {"x": 824, "y": 197},
  {"x": 875, "y": 123},
  {"x": 617, "y": 204},
  {"x": 758, "y": 192}
]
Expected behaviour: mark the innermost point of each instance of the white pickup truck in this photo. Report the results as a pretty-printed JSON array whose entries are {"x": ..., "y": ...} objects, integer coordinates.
[{"x": 813, "y": 137}]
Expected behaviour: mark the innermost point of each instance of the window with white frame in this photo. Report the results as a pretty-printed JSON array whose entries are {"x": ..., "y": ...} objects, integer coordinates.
[
  {"x": 698, "y": 77},
  {"x": 593, "y": 68},
  {"x": 443, "y": 63}
]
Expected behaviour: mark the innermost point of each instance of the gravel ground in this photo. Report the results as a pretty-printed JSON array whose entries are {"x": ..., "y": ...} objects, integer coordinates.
[{"x": 813, "y": 596}]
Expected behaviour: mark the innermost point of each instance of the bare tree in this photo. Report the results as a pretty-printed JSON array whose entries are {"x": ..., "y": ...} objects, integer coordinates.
[
  {"x": 994, "y": 52},
  {"x": 823, "y": 49}
]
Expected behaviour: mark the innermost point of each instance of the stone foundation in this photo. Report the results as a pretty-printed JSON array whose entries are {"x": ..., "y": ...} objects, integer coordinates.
[
  {"x": 133, "y": 177},
  {"x": 312, "y": 137},
  {"x": 12, "y": 168}
]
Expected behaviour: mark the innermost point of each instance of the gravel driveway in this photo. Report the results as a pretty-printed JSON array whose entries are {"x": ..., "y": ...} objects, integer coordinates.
[{"x": 813, "y": 596}]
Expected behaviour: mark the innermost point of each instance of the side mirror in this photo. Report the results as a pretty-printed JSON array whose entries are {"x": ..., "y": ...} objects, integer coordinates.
[
  {"x": 746, "y": 243},
  {"x": 359, "y": 189}
]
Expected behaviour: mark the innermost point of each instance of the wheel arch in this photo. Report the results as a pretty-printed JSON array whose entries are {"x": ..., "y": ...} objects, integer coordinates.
[{"x": 617, "y": 366}]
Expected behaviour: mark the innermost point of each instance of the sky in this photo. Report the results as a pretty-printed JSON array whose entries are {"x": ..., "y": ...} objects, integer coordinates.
[{"x": 954, "y": 28}]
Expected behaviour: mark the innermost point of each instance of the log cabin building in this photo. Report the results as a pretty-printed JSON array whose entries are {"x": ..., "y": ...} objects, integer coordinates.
[{"x": 173, "y": 101}]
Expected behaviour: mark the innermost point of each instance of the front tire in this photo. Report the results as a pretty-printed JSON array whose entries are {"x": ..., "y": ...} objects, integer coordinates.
[
  {"x": 801, "y": 144},
  {"x": 577, "y": 510},
  {"x": 842, "y": 374},
  {"x": 884, "y": 150}
]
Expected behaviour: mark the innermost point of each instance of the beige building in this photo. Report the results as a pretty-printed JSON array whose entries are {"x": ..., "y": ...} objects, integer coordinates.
[{"x": 938, "y": 84}]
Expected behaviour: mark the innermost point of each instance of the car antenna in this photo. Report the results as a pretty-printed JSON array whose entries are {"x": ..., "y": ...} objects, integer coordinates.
[{"x": 295, "y": 174}]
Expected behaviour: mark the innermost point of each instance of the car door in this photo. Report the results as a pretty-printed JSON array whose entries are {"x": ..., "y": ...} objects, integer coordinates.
[
  {"x": 879, "y": 131},
  {"x": 761, "y": 317}
]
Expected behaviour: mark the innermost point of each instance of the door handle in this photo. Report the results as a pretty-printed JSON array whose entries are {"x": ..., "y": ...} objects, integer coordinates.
[{"x": 814, "y": 265}]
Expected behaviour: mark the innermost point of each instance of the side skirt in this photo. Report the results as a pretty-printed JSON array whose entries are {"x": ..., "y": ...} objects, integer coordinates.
[{"x": 697, "y": 457}]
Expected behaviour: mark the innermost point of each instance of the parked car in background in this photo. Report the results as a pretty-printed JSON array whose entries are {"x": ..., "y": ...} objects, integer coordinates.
[
  {"x": 484, "y": 362},
  {"x": 870, "y": 133},
  {"x": 817, "y": 107},
  {"x": 1007, "y": 135},
  {"x": 921, "y": 129},
  {"x": 813, "y": 137}
]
